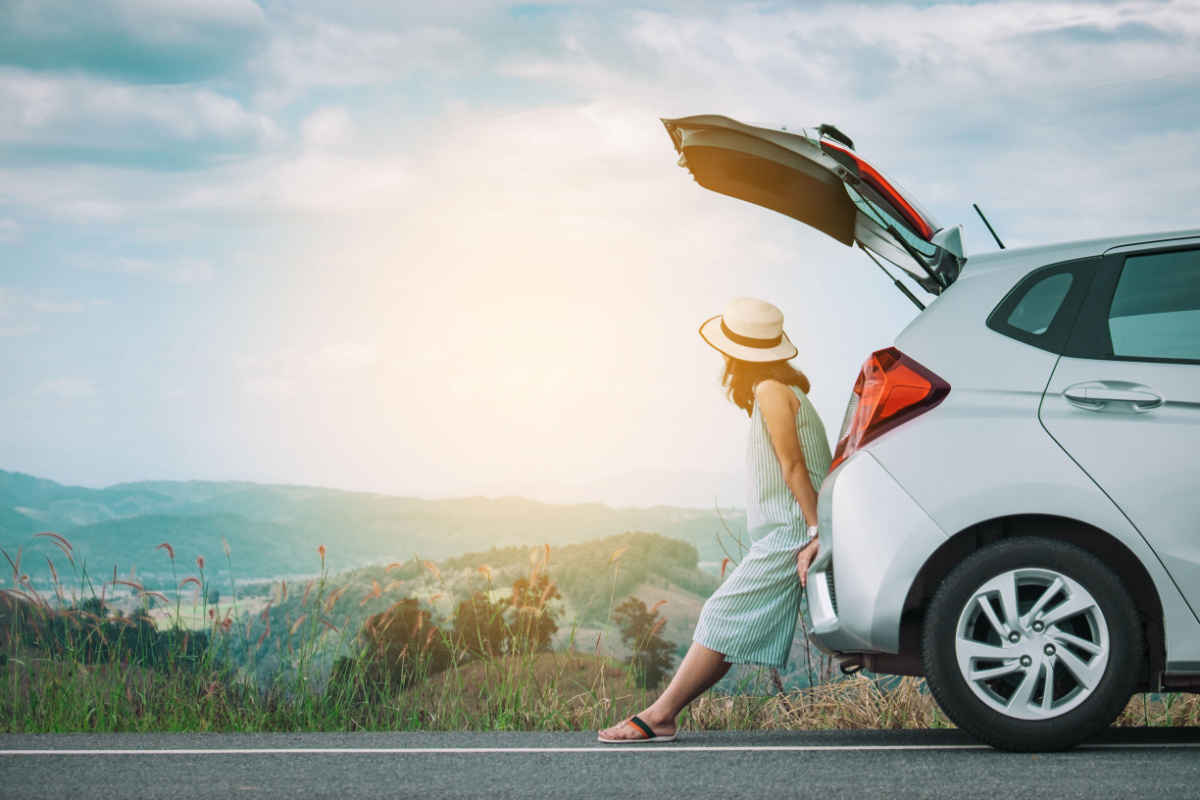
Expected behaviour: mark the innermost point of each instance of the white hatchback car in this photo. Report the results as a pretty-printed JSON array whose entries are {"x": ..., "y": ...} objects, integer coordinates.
[{"x": 1014, "y": 508}]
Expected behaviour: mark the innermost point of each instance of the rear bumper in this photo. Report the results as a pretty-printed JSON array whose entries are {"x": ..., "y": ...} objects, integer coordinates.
[{"x": 879, "y": 539}]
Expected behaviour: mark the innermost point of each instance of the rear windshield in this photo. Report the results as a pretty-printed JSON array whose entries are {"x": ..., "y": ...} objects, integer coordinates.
[{"x": 877, "y": 211}]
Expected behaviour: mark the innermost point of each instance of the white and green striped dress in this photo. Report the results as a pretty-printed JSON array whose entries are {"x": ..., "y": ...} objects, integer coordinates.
[{"x": 751, "y": 618}]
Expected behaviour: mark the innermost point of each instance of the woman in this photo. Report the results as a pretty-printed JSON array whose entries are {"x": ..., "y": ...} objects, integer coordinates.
[{"x": 751, "y": 618}]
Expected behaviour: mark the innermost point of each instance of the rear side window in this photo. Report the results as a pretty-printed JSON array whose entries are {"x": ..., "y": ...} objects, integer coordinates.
[
  {"x": 1036, "y": 309},
  {"x": 1155, "y": 310},
  {"x": 1041, "y": 308}
]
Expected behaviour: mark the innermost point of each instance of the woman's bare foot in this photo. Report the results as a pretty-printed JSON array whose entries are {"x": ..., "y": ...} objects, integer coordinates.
[{"x": 627, "y": 730}]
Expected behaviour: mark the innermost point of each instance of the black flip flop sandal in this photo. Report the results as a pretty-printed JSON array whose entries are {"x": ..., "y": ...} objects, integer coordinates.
[{"x": 648, "y": 734}]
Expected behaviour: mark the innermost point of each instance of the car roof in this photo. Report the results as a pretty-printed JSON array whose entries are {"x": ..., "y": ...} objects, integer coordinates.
[{"x": 1014, "y": 257}]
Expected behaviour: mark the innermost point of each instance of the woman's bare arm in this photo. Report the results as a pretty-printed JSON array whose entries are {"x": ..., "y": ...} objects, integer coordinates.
[{"x": 779, "y": 407}]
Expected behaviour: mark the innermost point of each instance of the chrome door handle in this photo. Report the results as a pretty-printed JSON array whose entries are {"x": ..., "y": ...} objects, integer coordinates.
[{"x": 1096, "y": 395}]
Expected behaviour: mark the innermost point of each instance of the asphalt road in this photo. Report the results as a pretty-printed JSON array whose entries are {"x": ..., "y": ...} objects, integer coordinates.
[{"x": 1126, "y": 764}]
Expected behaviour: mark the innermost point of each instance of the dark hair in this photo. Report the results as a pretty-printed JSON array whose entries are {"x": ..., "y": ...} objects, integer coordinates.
[{"x": 740, "y": 378}]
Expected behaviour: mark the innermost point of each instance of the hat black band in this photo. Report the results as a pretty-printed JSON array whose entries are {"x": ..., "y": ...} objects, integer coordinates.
[{"x": 748, "y": 341}]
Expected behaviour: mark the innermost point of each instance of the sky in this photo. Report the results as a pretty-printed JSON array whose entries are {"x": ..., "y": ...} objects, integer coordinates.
[{"x": 417, "y": 248}]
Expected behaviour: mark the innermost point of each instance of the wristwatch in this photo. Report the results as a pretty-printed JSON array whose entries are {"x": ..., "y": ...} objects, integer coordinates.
[{"x": 812, "y": 532}]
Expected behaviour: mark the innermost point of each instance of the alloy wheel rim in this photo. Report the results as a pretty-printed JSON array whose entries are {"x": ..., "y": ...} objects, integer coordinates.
[{"x": 1032, "y": 644}]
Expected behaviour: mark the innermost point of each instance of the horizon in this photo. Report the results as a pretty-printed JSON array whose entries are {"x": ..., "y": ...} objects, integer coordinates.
[
  {"x": 544, "y": 492},
  {"x": 411, "y": 249}
]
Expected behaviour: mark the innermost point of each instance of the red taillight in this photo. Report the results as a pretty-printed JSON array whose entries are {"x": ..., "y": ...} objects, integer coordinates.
[
  {"x": 879, "y": 183},
  {"x": 890, "y": 389}
]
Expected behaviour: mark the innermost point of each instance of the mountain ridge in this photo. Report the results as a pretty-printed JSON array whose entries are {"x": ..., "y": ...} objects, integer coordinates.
[{"x": 274, "y": 529}]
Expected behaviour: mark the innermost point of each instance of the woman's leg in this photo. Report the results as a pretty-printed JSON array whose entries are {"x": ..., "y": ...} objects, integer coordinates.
[{"x": 699, "y": 671}]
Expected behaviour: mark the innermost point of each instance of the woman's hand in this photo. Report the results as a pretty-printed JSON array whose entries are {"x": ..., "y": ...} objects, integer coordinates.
[{"x": 804, "y": 558}]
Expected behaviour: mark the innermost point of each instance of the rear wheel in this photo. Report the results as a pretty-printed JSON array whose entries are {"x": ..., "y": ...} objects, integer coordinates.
[{"x": 1032, "y": 645}]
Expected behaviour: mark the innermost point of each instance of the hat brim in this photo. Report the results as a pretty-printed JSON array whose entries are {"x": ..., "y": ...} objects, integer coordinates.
[{"x": 716, "y": 338}]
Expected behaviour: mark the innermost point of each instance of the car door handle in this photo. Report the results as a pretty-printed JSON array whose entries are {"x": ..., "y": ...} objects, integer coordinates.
[{"x": 1096, "y": 395}]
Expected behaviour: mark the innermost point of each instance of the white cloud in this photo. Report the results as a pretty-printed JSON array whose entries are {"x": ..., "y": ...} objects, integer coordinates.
[
  {"x": 80, "y": 118},
  {"x": 328, "y": 126},
  {"x": 67, "y": 388},
  {"x": 316, "y": 184},
  {"x": 308, "y": 51}
]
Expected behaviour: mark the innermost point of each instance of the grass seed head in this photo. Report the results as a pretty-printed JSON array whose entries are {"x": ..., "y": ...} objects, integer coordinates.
[
  {"x": 60, "y": 542},
  {"x": 616, "y": 554},
  {"x": 170, "y": 550}
]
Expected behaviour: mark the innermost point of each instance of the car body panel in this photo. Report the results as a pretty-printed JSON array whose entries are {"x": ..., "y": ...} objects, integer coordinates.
[
  {"x": 1139, "y": 459},
  {"x": 870, "y": 592},
  {"x": 1132, "y": 423}
]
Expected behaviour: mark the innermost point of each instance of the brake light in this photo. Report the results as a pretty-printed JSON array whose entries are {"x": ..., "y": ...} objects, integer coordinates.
[
  {"x": 881, "y": 184},
  {"x": 890, "y": 389}
]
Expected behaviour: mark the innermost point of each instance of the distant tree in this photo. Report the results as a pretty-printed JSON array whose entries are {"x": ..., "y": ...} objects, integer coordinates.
[
  {"x": 641, "y": 631},
  {"x": 404, "y": 644},
  {"x": 534, "y": 614},
  {"x": 214, "y": 597},
  {"x": 480, "y": 627},
  {"x": 94, "y": 606}
]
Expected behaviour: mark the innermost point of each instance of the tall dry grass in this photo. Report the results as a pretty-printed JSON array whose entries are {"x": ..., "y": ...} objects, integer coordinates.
[{"x": 70, "y": 682}]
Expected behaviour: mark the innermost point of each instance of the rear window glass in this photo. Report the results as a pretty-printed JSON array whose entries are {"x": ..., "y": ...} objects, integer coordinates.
[
  {"x": 1035, "y": 311},
  {"x": 1155, "y": 311},
  {"x": 1041, "y": 309}
]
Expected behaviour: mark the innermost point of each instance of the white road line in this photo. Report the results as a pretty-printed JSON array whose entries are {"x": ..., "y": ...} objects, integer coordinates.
[{"x": 610, "y": 749}]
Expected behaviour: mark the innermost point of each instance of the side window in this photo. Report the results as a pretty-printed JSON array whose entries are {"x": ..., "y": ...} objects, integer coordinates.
[
  {"x": 1042, "y": 307},
  {"x": 1155, "y": 310},
  {"x": 1035, "y": 311}
]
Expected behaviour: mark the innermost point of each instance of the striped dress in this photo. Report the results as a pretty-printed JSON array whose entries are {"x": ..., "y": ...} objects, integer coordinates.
[{"x": 751, "y": 618}]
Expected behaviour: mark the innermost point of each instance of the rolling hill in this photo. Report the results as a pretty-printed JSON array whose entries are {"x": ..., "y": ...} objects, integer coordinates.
[{"x": 274, "y": 530}]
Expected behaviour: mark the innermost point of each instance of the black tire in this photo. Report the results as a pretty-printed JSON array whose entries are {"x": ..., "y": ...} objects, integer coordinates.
[{"x": 972, "y": 714}]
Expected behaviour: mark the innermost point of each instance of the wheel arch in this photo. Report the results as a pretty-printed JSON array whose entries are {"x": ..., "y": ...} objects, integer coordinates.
[{"x": 1101, "y": 544}]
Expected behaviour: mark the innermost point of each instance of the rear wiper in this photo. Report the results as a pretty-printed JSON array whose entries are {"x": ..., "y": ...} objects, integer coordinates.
[{"x": 896, "y": 281}]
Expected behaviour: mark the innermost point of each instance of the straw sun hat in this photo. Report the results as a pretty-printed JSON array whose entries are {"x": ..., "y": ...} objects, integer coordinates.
[{"x": 749, "y": 330}]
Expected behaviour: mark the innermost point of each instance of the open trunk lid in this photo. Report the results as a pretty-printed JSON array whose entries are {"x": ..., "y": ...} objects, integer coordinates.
[{"x": 815, "y": 176}]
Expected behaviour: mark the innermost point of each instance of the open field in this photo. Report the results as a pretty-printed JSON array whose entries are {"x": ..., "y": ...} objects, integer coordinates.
[{"x": 436, "y": 648}]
